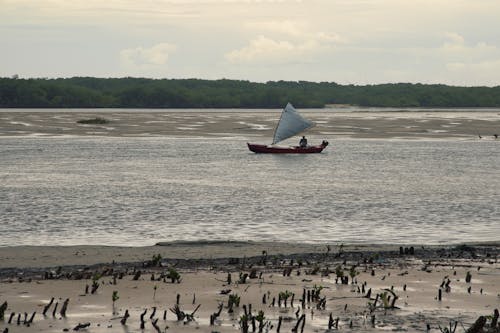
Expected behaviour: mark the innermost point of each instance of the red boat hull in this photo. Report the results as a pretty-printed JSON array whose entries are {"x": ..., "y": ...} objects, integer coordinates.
[{"x": 265, "y": 149}]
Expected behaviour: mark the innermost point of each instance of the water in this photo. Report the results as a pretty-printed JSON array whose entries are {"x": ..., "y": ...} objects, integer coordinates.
[{"x": 138, "y": 191}]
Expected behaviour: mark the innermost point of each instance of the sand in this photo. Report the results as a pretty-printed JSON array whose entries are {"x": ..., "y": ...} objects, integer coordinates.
[
  {"x": 415, "y": 279},
  {"x": 254, "y": 124}
]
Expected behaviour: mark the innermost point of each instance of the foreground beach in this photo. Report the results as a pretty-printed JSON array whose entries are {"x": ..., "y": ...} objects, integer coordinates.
[{"x": 260, "y": 272}]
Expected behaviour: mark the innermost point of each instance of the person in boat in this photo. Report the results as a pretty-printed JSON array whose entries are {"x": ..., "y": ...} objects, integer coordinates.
[{"x": 303, "y": 142}]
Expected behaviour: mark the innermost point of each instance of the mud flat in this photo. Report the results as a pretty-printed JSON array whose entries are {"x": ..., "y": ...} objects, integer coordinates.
[
  {"x": 411, "y": 289},
  {"x": 249, "y": 123}
]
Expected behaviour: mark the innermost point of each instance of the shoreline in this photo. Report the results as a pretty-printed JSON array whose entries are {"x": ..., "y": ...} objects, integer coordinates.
[{"x": 193, "y": 253}]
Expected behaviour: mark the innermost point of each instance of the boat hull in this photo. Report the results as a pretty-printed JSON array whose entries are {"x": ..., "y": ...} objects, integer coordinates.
[{"x": 265, "y": 149}]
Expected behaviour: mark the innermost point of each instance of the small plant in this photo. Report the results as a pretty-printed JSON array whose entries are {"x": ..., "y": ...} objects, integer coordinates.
[
  {"x": 243, "y": 278},
  {"x": 244, "y": 323},
  {"x": 233, "y": 300},
  {"x": 353, "y": 273},
  {"x": 385, "y": 299},
  {"x": 316, "y": 291},
  {"x": 114, "y": 298},
  {"x": 95, "y": 284},
  {"x": 260, "y": 319},
  {"x": 173, "y": 275},
  {"x": 156, "y": 261},
  {"x": 339, "y": 272},
  {"x": 284, "y": 295}
]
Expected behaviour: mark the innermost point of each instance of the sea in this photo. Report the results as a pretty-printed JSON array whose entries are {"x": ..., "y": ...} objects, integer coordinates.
[{"x": 137, "y": 191}]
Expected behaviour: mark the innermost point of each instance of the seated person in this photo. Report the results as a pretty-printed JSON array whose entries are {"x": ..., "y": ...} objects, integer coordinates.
[{"x": 303, "y": 142}]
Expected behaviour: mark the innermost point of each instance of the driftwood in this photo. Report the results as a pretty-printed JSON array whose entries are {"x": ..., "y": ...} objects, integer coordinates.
[
  {"x": 55, "y": 309},
  {"x": 214, "y": 315},
  {"x": 123, "y": 321},
  {"x": 64, "y": 308},
  {"x": 477, "y": 327},
  {"x": 280, "y": 319},
  {"x": 3, "y": 307},
  {"x": 46, "y": 307},
  {"x": 31, "y": 318},
  {"x": 137, "y": 275},
  {"x": 81, "y": 326},
  {"x": 181, "y": 315},
  {"x": 155, "y": 325},
  {"x": 494, "y": 320},
  {"x": 302, "y": 320},
  {"x": 142, "y": 319},
  {"x": 153, "y": 313}
]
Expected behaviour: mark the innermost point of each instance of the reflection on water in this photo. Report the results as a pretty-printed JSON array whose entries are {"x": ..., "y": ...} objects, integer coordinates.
[{"x": 137, "y": 191}]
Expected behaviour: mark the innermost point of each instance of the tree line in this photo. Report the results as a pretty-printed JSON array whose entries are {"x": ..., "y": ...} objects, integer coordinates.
[{"x": 89, "y": 92}]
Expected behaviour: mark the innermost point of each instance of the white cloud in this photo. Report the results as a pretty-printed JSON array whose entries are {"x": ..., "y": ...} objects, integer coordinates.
[
  {"x": 290, "y": 41},
  {"x": 294, "y": 29},
  {"x": 156, "y": 55},
  {"x": 266, "y": 50}
]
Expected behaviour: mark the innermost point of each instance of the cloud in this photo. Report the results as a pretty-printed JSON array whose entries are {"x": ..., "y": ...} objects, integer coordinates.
[
  {"x": 290, "y": 41},
  {"x": 294, "y": 29},
  {"x": 156, "y": 55},
  {"x": 267, "y": 50}
]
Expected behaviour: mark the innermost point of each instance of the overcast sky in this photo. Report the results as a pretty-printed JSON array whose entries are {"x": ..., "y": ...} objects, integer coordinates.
[{"x": 346, "y": 41}]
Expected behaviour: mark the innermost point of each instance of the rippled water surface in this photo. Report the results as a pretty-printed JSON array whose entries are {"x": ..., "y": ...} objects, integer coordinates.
[{"x": 137, "y": 191}]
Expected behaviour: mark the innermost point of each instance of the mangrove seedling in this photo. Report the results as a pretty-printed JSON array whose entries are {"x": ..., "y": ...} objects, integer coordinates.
[
  {"x": 243, "y": 278},
  {"x": 114, "y": 298},
  {"x": 316, "y": 292},
  {"x": 284, "y": 295},
  {"x": 339, "y": 272},
  {"x": 244, "y": 323},
  {"x": 233, "y": 300},
  {"x": 260, "y": 319},
  {"x": 156, "y": 261},
  {"x": 353, "y": 273},
  {"x": 95, "y": 284},
  {"x": 173, "y": 275}
]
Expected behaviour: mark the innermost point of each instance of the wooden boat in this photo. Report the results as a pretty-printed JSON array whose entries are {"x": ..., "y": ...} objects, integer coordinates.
[
  {"x": 270, "y": 149},
  {"x": 291, "y": 123}
]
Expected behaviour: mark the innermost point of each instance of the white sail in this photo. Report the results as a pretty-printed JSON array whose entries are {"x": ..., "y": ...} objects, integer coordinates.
[{"x": 291, "y": 123}]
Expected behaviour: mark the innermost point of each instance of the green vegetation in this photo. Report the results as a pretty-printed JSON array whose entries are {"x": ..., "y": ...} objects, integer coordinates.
[
  {"x": 94, "y": 121},
  {"x": 173, "y": 275},
  {"x": 233, "y": 300},
  {"x": 88, "y": 92}
]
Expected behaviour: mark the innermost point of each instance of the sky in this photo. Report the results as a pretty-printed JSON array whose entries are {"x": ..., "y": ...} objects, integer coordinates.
[{"x": 455, "y": 42}]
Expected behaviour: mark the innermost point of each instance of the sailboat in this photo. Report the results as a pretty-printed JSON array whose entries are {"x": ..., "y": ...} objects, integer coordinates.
[{"x": 291, "y": 123}]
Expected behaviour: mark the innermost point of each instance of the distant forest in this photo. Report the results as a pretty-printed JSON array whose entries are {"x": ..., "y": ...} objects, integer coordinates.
[{"x": 88, "y": 92}]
